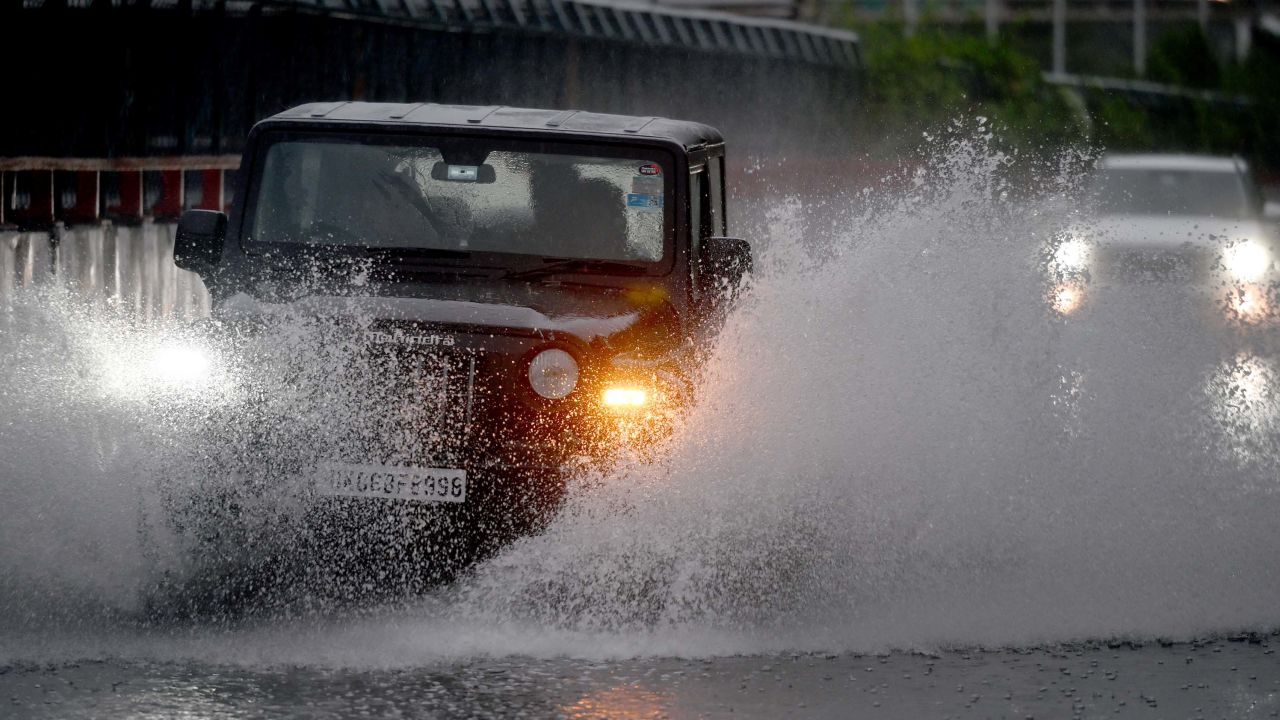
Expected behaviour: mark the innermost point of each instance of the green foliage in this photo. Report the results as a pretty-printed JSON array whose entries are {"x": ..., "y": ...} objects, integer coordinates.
[
  {"x": 1183, "y": 57},
  {"x": 1259, "y": 80},
  {"x": 914, "y": 84},
  {"x": 1120, "y": 124},
  {"x": 1244, "y": 118}
]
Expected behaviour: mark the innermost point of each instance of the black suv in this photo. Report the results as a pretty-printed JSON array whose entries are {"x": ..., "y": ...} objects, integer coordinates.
[{"x": 528, "y": 289}]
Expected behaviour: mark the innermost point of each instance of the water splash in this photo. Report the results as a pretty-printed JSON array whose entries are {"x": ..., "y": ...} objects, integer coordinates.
[
  {"x": 68, "y": 532},
  {"x": 899, "y": 444}
]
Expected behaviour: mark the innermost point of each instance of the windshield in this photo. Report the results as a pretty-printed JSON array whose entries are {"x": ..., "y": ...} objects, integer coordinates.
[
  {"x": 1171, "y": 192},
  {"x": 452, "y": 195}
]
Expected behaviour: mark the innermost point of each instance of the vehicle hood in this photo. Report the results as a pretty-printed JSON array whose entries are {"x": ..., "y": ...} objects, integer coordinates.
[
  {"x": 1163, "y": 231},
  {"x": 588, "y": 314}
]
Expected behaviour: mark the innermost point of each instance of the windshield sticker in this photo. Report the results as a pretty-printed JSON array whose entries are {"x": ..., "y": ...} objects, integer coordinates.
[
  {"x": 644, "y": 201},
  {"x": 643, "y": 185},
  {"x": 651, "y": 169}
]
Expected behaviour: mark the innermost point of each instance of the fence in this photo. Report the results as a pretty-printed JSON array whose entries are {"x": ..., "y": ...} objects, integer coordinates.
[{"x": 125, "y": 268}]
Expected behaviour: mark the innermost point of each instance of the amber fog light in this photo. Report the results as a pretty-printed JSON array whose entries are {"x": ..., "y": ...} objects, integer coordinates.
[
  {"x": 553, "y": 374},
  {"x": 624, "y": 398}
]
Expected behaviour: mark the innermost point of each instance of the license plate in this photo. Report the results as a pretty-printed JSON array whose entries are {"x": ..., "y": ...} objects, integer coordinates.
[{"x": 433, "y": 485}]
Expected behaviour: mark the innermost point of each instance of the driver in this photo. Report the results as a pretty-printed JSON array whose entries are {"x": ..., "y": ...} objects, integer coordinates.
[
  {"x": 577, "y": 217},
  {"x": 368, "y": 195}
]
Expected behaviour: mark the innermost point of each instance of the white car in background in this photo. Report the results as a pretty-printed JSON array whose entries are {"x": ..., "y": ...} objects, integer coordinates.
[{"x": 1184, "y": 219}]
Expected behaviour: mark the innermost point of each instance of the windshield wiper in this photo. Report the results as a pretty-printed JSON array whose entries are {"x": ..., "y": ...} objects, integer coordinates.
[
  {"x": 573, "y": 265},
  {"x": 415, "y": 253}
]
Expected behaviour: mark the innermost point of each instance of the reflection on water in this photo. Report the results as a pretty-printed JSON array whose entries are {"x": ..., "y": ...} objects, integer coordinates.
[
  {"x": 1248, "y": 304},
  {"x": 621, "y": 702},
  {"x": 1244, "y": 407},
  {"x": 1066, "y": 298}
]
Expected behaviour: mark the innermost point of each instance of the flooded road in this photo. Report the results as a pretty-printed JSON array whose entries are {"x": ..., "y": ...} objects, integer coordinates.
[{"x": 911, "y": 488}]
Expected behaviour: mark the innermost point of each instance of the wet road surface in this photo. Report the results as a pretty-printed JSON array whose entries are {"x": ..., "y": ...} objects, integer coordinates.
[{"x": 1236, "y": 678}]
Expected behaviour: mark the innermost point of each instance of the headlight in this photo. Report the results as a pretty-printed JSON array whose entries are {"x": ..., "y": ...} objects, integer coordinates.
[
  {"x": 1071, "y": 256},
  {"x": 180, "y": 365},
  {"x": 553, "y": 373},
  {"x": 132, "y": 370},
  {"x": 1247, "y": 261}
]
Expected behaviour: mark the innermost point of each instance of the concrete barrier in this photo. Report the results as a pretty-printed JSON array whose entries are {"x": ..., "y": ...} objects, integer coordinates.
[{"x": 127, "y": 268}]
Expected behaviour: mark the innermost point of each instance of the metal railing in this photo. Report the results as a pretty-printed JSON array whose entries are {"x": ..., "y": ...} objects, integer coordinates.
[
  {"x": 618, "y": 20},
  {"x": 36, "y": 192},
  {"x": 1042, "y": 10}
]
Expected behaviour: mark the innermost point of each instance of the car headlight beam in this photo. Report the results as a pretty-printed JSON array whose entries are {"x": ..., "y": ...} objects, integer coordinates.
[
  {"x": 179, "y": 365},
  {"x": 1072, "y": 256},
  {"x": 1247, "y": 261},
  {"x": 138, "y": 370}
]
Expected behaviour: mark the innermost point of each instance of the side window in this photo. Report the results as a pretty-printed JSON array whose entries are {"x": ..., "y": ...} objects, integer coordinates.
[
  {"x": 698, "y": 208},
  {"x": 716, "y": 176}
]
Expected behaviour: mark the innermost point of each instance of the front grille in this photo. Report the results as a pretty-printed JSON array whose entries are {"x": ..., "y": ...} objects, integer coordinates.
[
  {"x": 1183, "y": 264},
  {"x": 328, "y": 391},
  {"x": 427, "y": 398}
]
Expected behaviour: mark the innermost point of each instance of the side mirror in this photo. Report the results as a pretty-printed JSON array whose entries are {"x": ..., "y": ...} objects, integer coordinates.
[
  {"x": 197, "y": 246},
  {"x": 725, "y": 262}
]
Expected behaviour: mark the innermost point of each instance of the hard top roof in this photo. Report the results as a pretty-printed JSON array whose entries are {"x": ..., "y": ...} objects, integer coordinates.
[
  {"x": 689, "y": 134},
  {"x": 1171, "y": 161}
]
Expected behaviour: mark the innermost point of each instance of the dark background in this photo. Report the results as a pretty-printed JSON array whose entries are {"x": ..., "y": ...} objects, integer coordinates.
[{"x": 135, "y": 81}]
